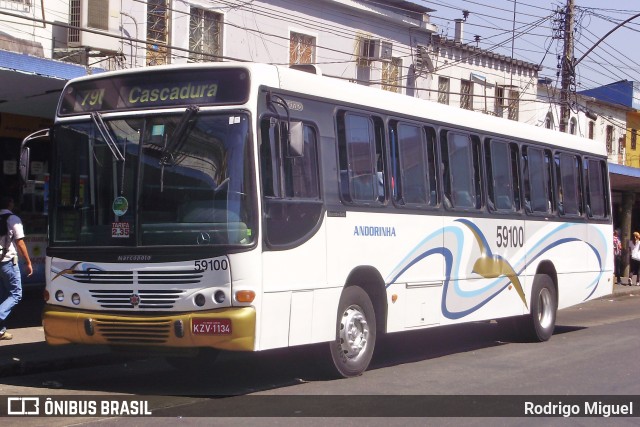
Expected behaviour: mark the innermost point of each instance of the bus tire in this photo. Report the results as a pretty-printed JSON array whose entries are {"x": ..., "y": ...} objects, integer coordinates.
[
  {"x": 352, "y": 350},
  {"x": 539, "y": 324}
]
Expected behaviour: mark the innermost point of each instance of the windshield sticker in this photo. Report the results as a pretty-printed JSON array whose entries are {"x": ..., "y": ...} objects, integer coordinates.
[
  {"x": 157, "y": 130},
  {"x": 120, "y": 230},
  {"x": 120, "y": 206}
]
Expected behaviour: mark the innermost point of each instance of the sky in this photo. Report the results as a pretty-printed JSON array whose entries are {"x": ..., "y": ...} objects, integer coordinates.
[{"x": 616, "y": 58}]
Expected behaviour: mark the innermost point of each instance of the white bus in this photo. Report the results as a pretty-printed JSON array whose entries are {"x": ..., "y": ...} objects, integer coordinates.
[{"x": 245, "y": 207}]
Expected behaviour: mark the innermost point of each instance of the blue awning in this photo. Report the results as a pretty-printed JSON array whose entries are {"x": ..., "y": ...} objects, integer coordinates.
[
  {"x": 31, "y": 85},
  {"x": 624, "y": 170},
  {"x": 624, "y": 178},
  {"x": 44, "y": 67}
]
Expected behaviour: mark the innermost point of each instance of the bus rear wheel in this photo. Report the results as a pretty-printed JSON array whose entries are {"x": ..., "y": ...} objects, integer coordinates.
[
  {"x": 352, "y": 350},
  {"x": 539, "y": 324}
]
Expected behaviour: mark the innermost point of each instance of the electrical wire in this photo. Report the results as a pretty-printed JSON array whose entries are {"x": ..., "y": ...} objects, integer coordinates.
[{"x": 267, "y": 11}]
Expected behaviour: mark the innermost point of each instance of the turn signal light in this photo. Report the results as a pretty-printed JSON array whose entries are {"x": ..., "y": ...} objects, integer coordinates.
[
  {"x": 245, "y": 296},
  {"x": 46, "y": 295}
]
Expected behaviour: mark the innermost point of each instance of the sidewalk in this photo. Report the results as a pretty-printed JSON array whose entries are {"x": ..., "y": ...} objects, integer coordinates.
[{"x": 28, "y": 352}]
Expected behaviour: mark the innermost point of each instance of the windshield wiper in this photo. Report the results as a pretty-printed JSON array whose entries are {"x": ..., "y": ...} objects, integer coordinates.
[
  {"x": 106, "y": 135},
  {"x": 179, "y": 136}
]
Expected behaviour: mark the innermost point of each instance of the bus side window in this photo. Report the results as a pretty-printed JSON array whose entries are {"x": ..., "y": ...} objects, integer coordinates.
[
  {"x": 413, "y": 154},
  {"x": 269, "y": 156},
  {"x": 286, "y": 176},
  {"x": 596, "y": 184},
  {"x": 461, "y": 170},
  {"x": 361, "y": 158},
  {"x": 568, "y": 184},
  {"x": 537, "y": 180},
  {"x": 515, "y": 175},
  {"x": 290, "y": 185},
  {"x": 503, "y": 175},
  {"x": 432, "y": 166}
]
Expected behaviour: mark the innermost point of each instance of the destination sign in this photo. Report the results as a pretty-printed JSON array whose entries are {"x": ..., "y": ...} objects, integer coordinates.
[
  {"x": 156, "y": 89},
  {"x": 205, "y": 92}
]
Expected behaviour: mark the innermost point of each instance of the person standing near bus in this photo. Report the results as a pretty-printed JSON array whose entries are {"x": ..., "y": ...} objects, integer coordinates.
[
  {"x": 11, "y": 242},
  {"x": 617, "y": 257},
  {"x": 634, "y": 269}
]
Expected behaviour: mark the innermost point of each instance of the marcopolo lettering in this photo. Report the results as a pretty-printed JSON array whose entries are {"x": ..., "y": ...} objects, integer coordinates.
[
  {"x": 134, "y": 258},
  {"x": 372, "y": 231},
  {"x": 139, "y": 95}
]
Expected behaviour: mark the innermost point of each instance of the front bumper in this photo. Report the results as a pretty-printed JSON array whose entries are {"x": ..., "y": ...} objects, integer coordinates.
[{"x": 66, "y": 326}]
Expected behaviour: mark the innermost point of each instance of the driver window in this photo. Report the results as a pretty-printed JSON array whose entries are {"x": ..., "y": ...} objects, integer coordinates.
[{"x": 285, "y": 176}]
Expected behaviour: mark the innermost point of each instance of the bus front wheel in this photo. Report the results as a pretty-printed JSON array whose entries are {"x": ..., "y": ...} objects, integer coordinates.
[
  {"x": 541, "y": 321},
  {"x": 352, "y": 350}
]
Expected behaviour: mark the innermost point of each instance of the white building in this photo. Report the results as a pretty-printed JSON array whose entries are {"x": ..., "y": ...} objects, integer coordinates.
[
  {"x": 589, "y": 117},
  {"x": 386, "y": 44}
]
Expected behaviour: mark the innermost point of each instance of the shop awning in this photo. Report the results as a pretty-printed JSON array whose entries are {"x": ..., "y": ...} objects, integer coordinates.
[
  {"x": 624, "y": 178},
  {"x": 31, "y": 85}
]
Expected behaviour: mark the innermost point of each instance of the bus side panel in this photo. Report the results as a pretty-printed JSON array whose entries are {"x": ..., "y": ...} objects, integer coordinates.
[
  {"x": 273, "y": 324},
  {"x": 293, "y": 281},
  {"x": 576, "y": 251},
  {"x": 313, "y": 316},
  {"x": 485, "y": 279},
  {"x": 416, "y": 275},
  {"x": 296, "y": 269},
  {"x": 406, "y": 251},
  {"x": 591, "y": 276},
  {"x": 601, "y": 233}
]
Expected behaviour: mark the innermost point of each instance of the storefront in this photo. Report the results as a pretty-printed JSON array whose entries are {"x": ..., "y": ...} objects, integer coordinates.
[
  {"x": 625, "y": 194},
  {"x": 29, "y": 94}
]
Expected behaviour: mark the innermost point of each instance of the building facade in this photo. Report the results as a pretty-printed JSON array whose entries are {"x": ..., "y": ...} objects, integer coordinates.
[{"x": 590, "y": 117}]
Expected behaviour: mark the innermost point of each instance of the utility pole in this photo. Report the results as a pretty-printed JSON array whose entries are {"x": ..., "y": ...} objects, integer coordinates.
[{"x": 568, "y": 68}]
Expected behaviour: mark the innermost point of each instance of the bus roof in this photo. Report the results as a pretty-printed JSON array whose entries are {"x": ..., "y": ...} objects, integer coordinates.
[{"x": 344, "y": 91}]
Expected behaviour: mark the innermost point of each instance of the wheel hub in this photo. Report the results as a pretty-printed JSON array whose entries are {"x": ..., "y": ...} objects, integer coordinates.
[
  {"x": 354, "y": 332},
  {"x": 545, "y": 309}
]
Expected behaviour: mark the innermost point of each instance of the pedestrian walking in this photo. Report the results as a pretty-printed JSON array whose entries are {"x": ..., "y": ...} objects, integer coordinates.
[
  {"x": 11, "y": 243},
  {"x": 634, "y": 269}
]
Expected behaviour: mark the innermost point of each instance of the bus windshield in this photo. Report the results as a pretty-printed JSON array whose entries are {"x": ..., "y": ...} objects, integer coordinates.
[{"x": 168, "y": 179}]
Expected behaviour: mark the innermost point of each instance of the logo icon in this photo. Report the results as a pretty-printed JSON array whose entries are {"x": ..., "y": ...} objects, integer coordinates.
[
  {"x": 23, "y": 406},
  {"x": 134, "y": 299},
  {"x": 204, "y": 239}
]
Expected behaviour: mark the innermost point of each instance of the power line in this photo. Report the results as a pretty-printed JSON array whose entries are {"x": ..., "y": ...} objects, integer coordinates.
[{"x": 271, "y": 13}]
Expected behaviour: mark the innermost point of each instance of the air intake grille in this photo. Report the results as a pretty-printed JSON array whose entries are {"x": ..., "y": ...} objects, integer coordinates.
[
  {"x": 160, "y": 296},
  {"x": 128, "y": 298},
  {"x": 146, "y": 277},
  {"x": 134, "y": 331},
  {"x": 101, "y": 277}
]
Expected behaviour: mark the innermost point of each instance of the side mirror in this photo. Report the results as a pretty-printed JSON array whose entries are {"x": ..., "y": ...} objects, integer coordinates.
[
  {"x": 295, "y": 142},
  {"x": 25, "y": 155},
  {"x": 25, "y": 152}
]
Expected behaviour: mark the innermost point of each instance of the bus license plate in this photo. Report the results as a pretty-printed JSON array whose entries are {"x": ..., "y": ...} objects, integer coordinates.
[{"x": 211, "y": 326}]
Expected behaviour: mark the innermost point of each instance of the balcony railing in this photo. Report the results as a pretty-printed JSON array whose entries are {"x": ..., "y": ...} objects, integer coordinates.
[{"x": 19, "y": 5}]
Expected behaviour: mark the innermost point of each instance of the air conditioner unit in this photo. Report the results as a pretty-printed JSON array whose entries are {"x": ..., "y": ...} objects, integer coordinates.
[
  {"x": 376, "y": 50},
  {"x": 95, "y": 15},
  {"x": 423, "y": 61}
]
